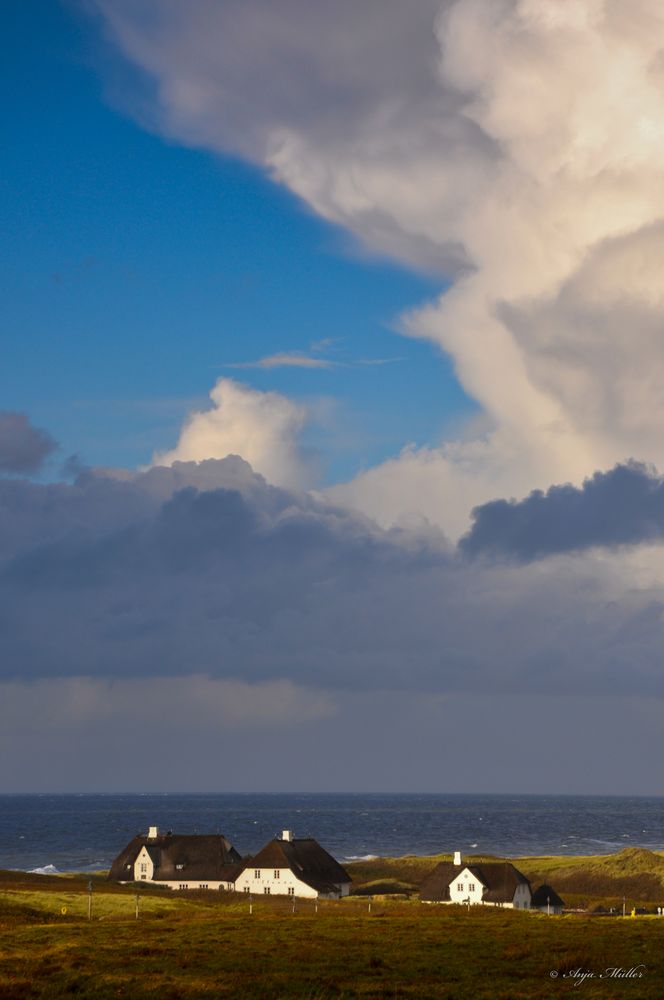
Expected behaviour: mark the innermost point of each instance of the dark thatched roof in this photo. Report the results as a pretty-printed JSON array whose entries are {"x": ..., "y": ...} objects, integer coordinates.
[
  {"x": 306, "y": 859},
  {"x": 542, "y": 892},
  {"x": 180, "y": 857},
  {"x": 500, "y": 879}
]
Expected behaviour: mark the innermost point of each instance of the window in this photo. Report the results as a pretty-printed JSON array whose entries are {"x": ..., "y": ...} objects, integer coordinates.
[
  {"x": 266, "y": 890},
  {"x": 183, "y": 885},
  {"x": 246, "y": 888},
  {"x": 459, "y": 886},
  {"x": 291, "y": 890},
  {"x": 471, "y": 887},
  {"x": 143, "y": 878},
  {"x": 277, "y": 873},
  {"x": 204, "y": 885},
  {"x": 144, "y": 867},
  {"x": 257, "y": 873}
]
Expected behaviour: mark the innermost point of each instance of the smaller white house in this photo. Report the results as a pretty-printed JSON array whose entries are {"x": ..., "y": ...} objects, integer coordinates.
[
  {"x": 489, "y": 883},
  {"x": 290, "y": 866},
  {"x": 178, "y": 861}
]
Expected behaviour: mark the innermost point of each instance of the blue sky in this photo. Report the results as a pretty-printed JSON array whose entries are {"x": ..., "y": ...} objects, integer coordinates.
[{"x": 136, "y": 269}]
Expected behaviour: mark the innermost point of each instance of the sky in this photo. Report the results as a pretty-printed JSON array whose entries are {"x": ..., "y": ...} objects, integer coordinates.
[{"x": 330, "y": 396}]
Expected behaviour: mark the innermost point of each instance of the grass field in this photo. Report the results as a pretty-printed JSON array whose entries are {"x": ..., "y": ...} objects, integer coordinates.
[{"x": 209, "y": 945}]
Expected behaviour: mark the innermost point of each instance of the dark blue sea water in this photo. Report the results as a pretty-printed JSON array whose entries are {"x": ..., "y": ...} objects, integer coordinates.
[{"x": 85, "y": 832}]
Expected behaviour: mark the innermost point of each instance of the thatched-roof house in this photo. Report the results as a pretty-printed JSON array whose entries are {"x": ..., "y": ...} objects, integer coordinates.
[
  {"x": 289, "y": 866},
  {"x": 493, "y": 883},
  {"x": 178, "y": 861}
]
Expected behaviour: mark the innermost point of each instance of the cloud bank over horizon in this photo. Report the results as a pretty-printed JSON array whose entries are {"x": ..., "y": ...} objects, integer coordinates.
[
  {"x": 249, "y": 614},
  {"x": 207, "y": 569}
]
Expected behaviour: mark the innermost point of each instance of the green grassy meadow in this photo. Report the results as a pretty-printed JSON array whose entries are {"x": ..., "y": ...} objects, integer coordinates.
[{"x": 209, "y": 944}]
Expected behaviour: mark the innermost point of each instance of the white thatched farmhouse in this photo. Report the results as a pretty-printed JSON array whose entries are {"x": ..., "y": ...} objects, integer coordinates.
[
  {"x": 294, "y": 867},
  {"x": 490, "y": 883},
  {"x": 178, "y": 861}
]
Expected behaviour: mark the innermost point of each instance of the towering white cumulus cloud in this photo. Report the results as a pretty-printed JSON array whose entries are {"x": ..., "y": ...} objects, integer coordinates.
[
  {"x": 515, "y": 146},
  {"x": 262, "y": 427}
]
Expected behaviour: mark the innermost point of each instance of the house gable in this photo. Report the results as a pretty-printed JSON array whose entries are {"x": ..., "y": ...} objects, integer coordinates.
[
  {"x": 144, "y": 865},
  {"x": 466, "y": 887}
]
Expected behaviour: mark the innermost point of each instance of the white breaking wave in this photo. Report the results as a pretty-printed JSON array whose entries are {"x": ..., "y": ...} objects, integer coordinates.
[{"x": 46, "y": 870}]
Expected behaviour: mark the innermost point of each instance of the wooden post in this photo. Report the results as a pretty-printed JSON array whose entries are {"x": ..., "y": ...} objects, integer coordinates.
[
  {"x": 251, "y": 904},
  {"x": 90, "y": 900},
  {"x": 137, "y": 899}
]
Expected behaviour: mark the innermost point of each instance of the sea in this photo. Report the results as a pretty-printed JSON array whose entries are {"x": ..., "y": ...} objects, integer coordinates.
[{"x": 84, "y": 832}]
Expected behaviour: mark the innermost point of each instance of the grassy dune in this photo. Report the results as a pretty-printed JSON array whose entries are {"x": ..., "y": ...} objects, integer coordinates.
[
  {"x": 208, "y": 945},
  {"x": 586, "y": 882}
]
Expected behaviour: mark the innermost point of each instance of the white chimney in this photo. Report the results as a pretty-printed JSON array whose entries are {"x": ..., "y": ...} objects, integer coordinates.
[
  {"x": 457, "y": 857},
  {"x": 153, "y": 833},
  {"x": 287, "y": 835}
]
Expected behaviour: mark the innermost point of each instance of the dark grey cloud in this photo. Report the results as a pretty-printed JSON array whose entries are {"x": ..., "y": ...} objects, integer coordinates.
[
  {"x": 208, "y": 570},
  {"x": 23, "y": 448},
  {"x": 624, "y": 506}
]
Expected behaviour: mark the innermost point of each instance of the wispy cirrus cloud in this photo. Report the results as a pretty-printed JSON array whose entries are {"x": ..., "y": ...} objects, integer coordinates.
[
  {"x": 315, "y": 357},
  {"x": 286, "y": 359}
]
